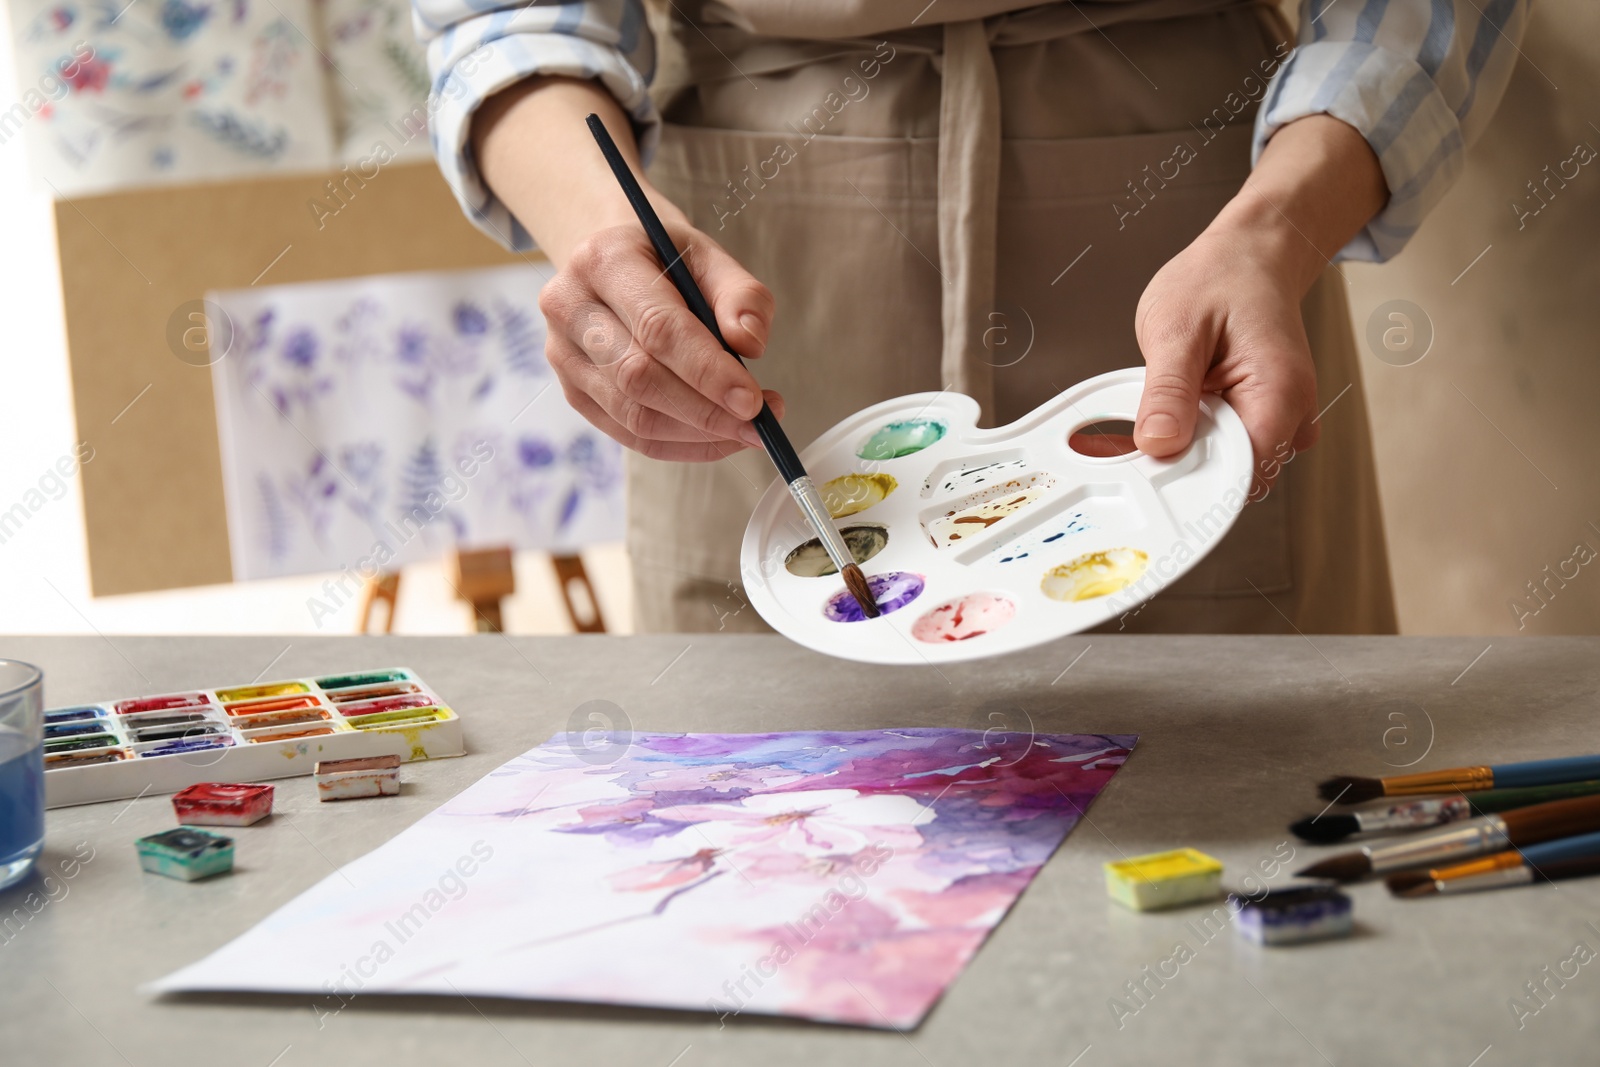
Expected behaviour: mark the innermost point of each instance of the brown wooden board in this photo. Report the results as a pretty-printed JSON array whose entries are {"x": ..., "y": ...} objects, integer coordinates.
[{"x": 131, "y": 262}]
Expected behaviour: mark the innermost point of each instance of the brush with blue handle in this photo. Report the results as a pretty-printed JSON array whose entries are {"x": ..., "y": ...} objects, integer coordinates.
[
  {"x": 1347, "y": 789},
  {"x": 1567, "y": 857}
]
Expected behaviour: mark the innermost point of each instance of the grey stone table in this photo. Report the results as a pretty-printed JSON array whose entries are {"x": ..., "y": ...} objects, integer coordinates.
[{"x": 1234, "y": 732}]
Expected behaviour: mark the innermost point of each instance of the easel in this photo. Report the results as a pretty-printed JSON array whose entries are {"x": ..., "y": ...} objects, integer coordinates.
[{"x": 483, "y": 578}]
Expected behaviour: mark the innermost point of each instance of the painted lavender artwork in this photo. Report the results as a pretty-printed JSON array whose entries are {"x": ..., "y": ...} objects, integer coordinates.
[
  {"x": 370, "y": 422},
  {"x": 840, "y": 877}
]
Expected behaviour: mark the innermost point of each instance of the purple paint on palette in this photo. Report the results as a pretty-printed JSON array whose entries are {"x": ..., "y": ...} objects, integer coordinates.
[{"x": 892, "y": 590}]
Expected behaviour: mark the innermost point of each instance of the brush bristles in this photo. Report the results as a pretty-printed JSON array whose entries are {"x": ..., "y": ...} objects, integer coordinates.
[
  {"x": 1411, "y": 884},
  {"x": 1345, "y": 789},
  {"x": 1325, "y": 829},
  {"x": 1346, "y": 867},
  {"x": 856, "y": 582}
]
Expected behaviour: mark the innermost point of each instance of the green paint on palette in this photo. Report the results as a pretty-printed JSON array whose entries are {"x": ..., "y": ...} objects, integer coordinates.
[
  {"x": 810, "y": 560},
  {"x": 897, "y": 439}
]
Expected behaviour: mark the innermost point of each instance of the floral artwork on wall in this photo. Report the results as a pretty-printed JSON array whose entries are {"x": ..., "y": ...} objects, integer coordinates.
[
  {"x": 370, "y": 422},
  {"x": 844, "y": 877},
  {"x": 115, "y": 95}
]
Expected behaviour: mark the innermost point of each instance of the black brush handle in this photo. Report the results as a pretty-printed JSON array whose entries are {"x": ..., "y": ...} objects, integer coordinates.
[{"x": 766, "y": 423}]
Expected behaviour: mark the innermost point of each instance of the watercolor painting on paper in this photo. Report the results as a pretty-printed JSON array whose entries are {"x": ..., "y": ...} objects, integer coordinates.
[
  {"x": 844, "y": 877},
  {"x": 370, "y": 422},
  {"x": 117, "y": 95}
]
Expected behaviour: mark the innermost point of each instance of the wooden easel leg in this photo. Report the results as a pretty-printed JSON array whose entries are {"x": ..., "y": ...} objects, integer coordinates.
[
  {"x": 569, "y": 571},
  {"x": 385, "y": 587},
  {"x": 482, "y": 577}
]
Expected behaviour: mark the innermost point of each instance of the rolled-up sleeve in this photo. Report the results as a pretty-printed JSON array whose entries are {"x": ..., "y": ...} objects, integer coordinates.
[
  {"x": 478, "y": 47},
  {"x": 1418, "y": 78}
]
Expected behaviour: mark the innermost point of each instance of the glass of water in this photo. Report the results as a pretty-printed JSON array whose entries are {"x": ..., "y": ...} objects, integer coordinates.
[{"x": 21, "y": 769}]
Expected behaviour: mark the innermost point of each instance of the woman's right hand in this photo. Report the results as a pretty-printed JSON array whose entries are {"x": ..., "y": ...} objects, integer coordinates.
[
  {"x": 634, "y": 360},
  {"x": 631, "y": 356}
]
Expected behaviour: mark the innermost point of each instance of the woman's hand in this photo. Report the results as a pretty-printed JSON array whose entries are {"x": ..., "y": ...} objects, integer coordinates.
[
  {"x": 634, "y": 360},
  {"x": 1223, "y": 315},
  {"x": 631, "y": 357}
]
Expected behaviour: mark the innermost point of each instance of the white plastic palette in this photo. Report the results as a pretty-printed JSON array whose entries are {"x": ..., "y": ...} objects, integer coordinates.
[{"x": 982, "y": 542}]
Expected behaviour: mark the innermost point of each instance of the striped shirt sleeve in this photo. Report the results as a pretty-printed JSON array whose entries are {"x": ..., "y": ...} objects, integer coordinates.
[
  {"x": 1418, "y": 78},
  {"x": 478, "y": 47}
]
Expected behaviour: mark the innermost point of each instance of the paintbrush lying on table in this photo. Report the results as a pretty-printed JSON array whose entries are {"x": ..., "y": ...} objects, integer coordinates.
[
  {"x": 1325, "y": 829},
  {"x": 1347, "y": 789},
  {"x": 1568, "y": 857},
  {"x": 772, "y": 436},
  {"x": 1487, "y": 833}
]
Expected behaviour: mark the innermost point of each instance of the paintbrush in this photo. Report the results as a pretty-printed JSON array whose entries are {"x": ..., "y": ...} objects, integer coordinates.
[
  {"x": 772, "y": 436},
  {"x": 1326, "y": 829},
  {"x": 1568, "y": 857},
  {"x": 1347, "y": 789},
  {"x": 1487, "y": 833}
]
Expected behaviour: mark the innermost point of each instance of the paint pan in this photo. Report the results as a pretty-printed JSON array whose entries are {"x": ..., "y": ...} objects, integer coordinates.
[
  {"x": 1292, "y": 914},
  {"x": 351, "y": 779},
  {"x": 369, "y": 692},
  {"x": 989, "y": 541},
  {"x": 257, "y": 692},
  {"x": 372, "y": 707},
  {"x": 244, "y": 732},
  {"x": 258, "y": 707},
  {"x": 187, "y": 854},
  {"x": 390, "y": 720},
  {"x": 347, "y": 681},
  {"x": 73, "y": 715},
  {"x": 222, "y": 804},
  {"x": 161, "y": 703},
  {"x": 1164, "y": 879},
  {"x": 302, "y": 717}
]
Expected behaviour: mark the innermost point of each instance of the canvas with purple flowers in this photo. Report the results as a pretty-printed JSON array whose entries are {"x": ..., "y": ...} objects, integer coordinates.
[
  {"x": 370, "y": 422},
  {"x": 846, "y": 877}
]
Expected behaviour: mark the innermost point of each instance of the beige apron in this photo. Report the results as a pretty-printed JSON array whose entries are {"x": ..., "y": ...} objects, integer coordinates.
[{"x": 819, "y": 164}]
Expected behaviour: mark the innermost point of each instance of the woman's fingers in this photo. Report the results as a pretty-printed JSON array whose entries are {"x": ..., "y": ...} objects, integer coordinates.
[
  {"x": 701, "y": 451},
  {"x": 649, "y": 373},
  {"x": 626, "y": 277}
]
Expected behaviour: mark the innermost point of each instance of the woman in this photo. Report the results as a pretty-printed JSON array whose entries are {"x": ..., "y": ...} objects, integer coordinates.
[{"x": 983, "y": 196}]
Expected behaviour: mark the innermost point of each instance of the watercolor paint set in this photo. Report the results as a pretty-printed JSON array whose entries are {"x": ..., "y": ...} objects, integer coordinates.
[
  {"x": 978, "y": 542},
  {"x": 241, "y": 733}
]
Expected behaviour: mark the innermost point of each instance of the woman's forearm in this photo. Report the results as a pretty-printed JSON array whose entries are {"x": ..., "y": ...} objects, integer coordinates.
[
  {"x": 1316, "y": 185},
  {"x": 536, "y": 154}
]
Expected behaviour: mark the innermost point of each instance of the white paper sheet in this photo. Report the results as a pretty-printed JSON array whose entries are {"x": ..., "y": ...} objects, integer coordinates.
[{"x": 371, "y": 422}]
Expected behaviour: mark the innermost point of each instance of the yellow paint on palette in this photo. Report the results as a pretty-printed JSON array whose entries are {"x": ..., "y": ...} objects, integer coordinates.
[
  {"x": 1164, "y": 879},
  {"x": 255, "y": 692},
  {"x": 852, "y": 493},
  {"x": 1094, "y": 574}
]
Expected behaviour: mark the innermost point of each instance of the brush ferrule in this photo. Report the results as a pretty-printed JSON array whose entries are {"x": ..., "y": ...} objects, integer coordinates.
[
  {"x": 1466, "y": 779},
  {"x": 1415, "y": 815},
  {"x": 1508, "y": 876},
  {"x": 805, "y": 494},
  {"x": 1486, "y": 833}
]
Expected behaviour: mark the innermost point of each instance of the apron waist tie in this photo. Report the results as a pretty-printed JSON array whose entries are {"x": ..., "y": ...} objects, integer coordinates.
[{"x": 969, "y": 186}]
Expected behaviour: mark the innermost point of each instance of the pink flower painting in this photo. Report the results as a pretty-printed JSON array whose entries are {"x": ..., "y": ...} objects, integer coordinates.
[{"x": 843, "y": 877}]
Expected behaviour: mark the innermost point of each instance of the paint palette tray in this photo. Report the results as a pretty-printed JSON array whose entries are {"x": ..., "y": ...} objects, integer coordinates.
[
  {"x": 242, "y": 733},
  {"x": 981, "y": 542}
]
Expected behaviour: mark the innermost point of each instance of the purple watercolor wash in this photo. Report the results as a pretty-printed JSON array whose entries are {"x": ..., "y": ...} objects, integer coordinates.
[{"x": 892, "y": 591}]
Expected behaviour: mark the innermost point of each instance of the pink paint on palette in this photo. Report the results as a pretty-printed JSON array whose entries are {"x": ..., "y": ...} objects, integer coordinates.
[{"x": 844, "y": 877}]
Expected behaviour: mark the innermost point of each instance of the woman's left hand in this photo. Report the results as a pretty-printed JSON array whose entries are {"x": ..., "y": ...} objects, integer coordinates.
[{"x": 1223, "y": 315}]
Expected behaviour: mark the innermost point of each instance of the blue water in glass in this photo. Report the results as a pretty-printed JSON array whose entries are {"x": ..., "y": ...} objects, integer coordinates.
[{"x": 21, "y": 803}]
